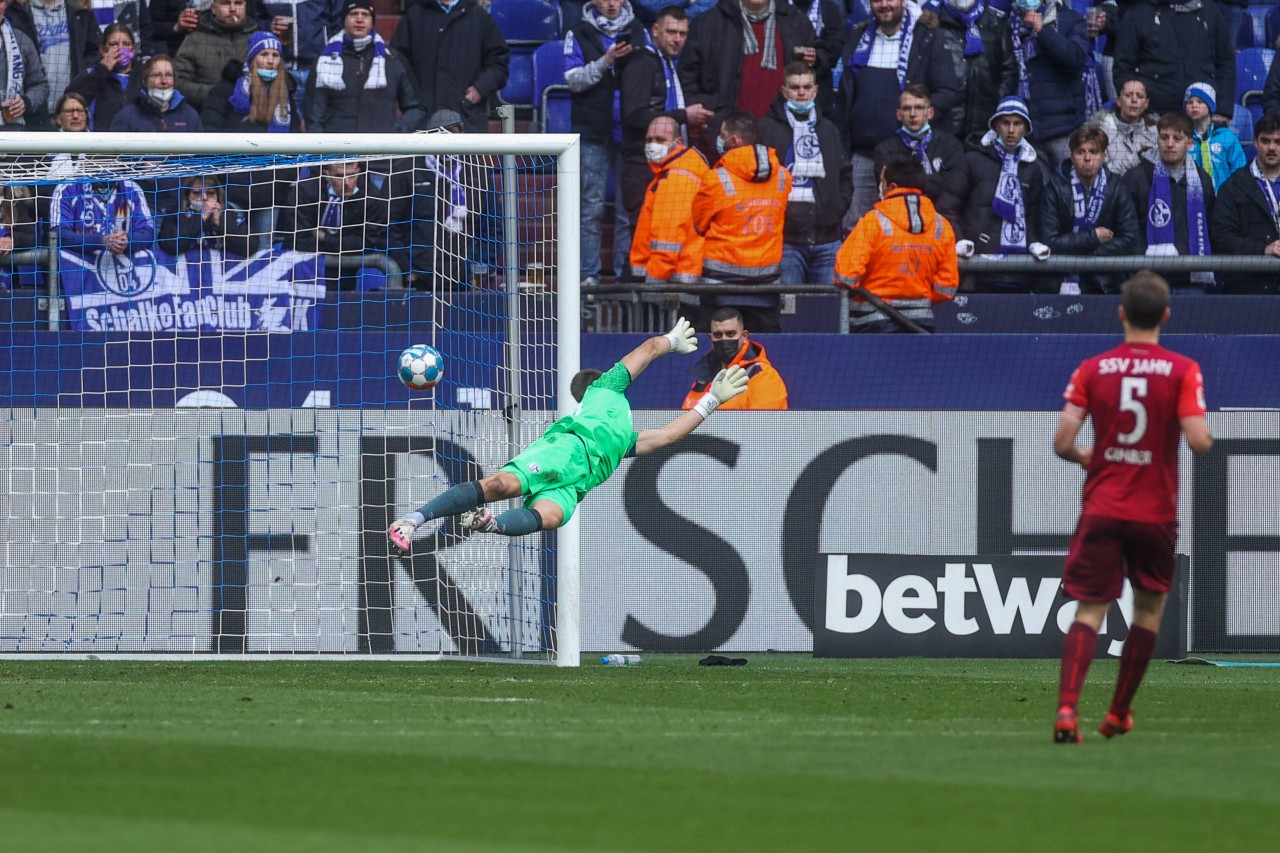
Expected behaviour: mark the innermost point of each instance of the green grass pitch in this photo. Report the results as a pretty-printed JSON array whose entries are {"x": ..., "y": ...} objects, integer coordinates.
[{"x": 787, "y": 754}]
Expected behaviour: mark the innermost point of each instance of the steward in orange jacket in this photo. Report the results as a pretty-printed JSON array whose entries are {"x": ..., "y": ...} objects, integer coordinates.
[
  {"x": 765, "y": 388},
  {"x": 665, "y": 247},
  {"x": 740, "y": 210},
  {"x": 902, "y": 250}
]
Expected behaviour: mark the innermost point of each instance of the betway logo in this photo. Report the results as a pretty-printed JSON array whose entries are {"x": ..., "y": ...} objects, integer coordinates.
[{"x": 910, "y": 603}]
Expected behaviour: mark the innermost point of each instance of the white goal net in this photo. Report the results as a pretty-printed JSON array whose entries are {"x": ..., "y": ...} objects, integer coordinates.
[{"x": 205, "y": 436}]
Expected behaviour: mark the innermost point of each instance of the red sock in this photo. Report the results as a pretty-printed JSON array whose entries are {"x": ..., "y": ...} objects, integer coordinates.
[
  {"x": 1139, "y": 646},
  {"x": 1077, "y": 654}
]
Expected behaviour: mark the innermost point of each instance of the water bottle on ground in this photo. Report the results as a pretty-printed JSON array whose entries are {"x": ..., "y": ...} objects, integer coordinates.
[{"x": 620, "y": 660}]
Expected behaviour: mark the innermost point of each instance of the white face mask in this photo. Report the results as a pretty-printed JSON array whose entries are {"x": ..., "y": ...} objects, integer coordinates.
[
  {"x": 196, "y": 205},
  {"x": 655, "y": 152},
  {"x": 963, "y": 5},
  {"x": 162, "y": 97}
]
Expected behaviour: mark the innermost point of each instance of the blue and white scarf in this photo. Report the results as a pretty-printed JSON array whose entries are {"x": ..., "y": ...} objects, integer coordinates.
[
  {"x": 1026, "y": 46},
  {"x": 815, "y": 16},
  {"x": 329, "y": 65},
  {"x": 1268, "y": 192},
  {"x": 448, "y": 171},
  {"x": 241, "y": 102},
  {"x": 972, "y": 38},
  {"x": 1160, "y": 232},
  {"x": 675, "y": 92},
  {"x": 331, "y": 214},
  {"x": 1086, "y": 210},
  {"x": 1009, "y": 203},
  {"x": 919, "y": 145},
  {"x": 804, "y": 157},
  {"x": 608, "y": 27},
  {"x": 862, "y": 53},
  {"x": 14, "y": 71}
]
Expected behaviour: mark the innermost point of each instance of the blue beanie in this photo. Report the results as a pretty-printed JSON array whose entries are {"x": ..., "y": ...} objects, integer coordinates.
[
  {"x": 1204, "y": 92},
  {"x": 260, "y": 41},
  {"x": 1011, "y": 106}
]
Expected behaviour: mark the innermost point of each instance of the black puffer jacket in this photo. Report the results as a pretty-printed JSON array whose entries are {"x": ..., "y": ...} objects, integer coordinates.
[
  {"x": 981, "y": 225},
  {"x": 818, "y": 222},
  {"x": 1169, "y": 50},
  {"x": 984, "y": 78},
  {"x": 1057, "y": 222},
  {"x": 929, "y": 64},
  {"x": 355, "y": 109}
]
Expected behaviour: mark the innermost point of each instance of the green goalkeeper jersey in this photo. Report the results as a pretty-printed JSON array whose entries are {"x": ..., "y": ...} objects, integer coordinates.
[{"x": 603, "y": 422}]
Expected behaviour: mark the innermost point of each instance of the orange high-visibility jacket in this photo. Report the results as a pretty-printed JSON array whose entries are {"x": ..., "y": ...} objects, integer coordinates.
[
  {"x": 665, "y": 247},
  {"x": 765, "y": 388},
  {"x": 740, "y": 211},
  {"x": 903, "y": 252}
]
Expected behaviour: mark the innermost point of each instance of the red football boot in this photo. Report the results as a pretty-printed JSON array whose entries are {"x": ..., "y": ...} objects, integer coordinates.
[
  {"x": 1112, "y": 725},
  {"x": 1067, "y": 729}
]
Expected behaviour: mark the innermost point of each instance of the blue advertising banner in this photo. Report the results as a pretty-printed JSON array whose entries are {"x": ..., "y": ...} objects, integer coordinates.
[{"x": 202, "y": 290}]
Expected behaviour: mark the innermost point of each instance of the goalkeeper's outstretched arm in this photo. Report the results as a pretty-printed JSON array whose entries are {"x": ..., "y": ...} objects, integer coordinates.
[
  {"x": 727, "y": 385},
  {"x": 679, "y": 340}
]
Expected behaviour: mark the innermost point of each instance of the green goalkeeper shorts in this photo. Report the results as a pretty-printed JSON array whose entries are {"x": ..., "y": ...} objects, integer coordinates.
[{"x": 550, "y": 469}]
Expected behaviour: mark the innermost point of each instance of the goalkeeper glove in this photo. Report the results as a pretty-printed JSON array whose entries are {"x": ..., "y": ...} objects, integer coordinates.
[
  {"x": 682, "y": 339},
  {"x": 728, "y": 384},
  {"x": 400, "y": 533}
]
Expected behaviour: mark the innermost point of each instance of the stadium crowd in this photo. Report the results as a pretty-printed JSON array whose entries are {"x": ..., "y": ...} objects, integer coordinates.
[{"x": 746, "y": 139}]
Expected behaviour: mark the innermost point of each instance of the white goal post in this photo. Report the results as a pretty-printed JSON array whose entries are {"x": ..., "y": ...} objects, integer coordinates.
[{"x": 205, "y": 434}]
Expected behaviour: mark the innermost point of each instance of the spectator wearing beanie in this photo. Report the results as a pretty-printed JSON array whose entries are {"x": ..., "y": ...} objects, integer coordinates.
[
  {"x": 358, "y": 83},
  {"x": 258, "y": 98},
  {"x": 1215, "y": 149}
]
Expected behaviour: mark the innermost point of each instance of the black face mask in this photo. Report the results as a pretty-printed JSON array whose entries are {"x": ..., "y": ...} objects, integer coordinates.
[{"x": 726, "y": 349}]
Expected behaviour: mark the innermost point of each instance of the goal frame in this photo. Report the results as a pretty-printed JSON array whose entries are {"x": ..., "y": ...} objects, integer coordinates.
[{"x": 566, "y": 150}]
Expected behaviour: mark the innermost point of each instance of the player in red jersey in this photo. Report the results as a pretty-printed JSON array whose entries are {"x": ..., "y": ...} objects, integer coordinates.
[{"x": 1141, "y": 398}]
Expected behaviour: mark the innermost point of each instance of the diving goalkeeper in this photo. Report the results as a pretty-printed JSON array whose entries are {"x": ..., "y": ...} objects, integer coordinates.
[{"x": 577, "y": 452}]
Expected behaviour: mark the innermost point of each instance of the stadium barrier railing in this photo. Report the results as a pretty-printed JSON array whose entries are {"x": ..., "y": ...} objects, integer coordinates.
[{"x": 646, "y": 308}]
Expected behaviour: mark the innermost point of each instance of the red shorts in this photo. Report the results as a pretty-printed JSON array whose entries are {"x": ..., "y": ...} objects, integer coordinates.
[{"x": 1105, "y": 549}]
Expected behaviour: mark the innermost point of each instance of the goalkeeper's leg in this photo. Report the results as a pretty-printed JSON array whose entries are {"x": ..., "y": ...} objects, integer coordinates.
[{"x": 456, "y": 500}]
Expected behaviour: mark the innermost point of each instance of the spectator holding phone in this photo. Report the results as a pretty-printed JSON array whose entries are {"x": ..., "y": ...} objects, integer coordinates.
[{"x": 595, "y": 49}]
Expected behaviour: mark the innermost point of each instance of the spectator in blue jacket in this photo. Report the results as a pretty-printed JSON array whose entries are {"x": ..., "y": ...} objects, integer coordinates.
[
  {"x": 159, "y": 107},
  {"x": 1215, "y": 148},
  {"x": 102, "y": 215},
  {"x": 1050, "y": 45}
]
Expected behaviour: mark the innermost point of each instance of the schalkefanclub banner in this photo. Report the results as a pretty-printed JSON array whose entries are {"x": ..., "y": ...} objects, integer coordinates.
[{"x": 200, "y": 291}]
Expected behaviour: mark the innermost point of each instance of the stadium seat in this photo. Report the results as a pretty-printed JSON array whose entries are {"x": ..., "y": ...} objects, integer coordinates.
[
  {"x": 549, "y": 88},
  {"x": 527, "y": 20},
  {"x": 861, "y": 12},
  {"x": 1253, "y": 27},
  {"x": 1252, "y": 65},
  {"x": 519, "y": 89},
  {"x": 1242, "y": 124}
]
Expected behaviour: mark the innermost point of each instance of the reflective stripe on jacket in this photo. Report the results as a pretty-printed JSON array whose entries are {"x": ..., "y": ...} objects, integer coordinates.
[
  {"x": 740, "y": 210},
  {"x": 665, "y": 247},
  {"x": 765, "y": 388},
  {"x": 903, "y": 252}
]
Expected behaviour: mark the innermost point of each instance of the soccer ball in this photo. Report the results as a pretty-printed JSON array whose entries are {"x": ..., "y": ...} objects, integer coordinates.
[{"x": 420, "y": 367}]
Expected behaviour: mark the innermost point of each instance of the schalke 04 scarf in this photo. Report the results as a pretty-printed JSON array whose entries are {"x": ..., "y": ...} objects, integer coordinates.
[
  {"x": 1160, "y": 232},
  {"x": 14, "y": 71},
  {"x": 1268, "y": 192},
  {"x": 919, "y": 145},
  {"x": 972, "y": 38},
  {"x": 1008, "y": 202},
  {"x": 329, "y": 65},
  {"x": 804, "y": 157},
  {"x": 1087, "y": 209}
]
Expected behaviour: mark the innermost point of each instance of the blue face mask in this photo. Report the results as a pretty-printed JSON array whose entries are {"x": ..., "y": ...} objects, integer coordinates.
[
  {"x": 720, "y": 144},
  {"x": 267, "y": 75},
  {"x": 800, "y": 108},
  {"x": 1025, "y": 6},
  {"x": 919, "y": 133}
]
